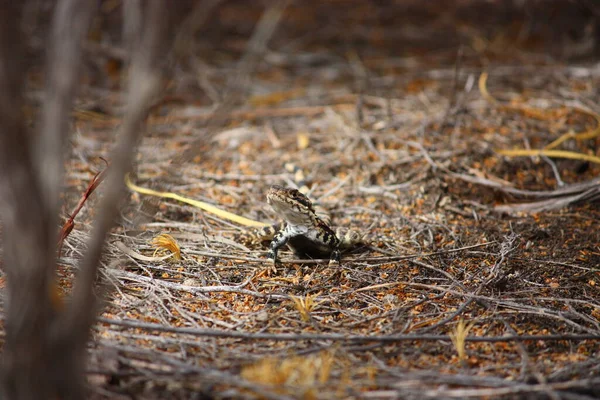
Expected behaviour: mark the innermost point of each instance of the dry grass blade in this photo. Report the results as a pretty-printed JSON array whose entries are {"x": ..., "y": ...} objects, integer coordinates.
[
  {"x": 199, "y": 204},
  {"x": 549, "y": 153},
  {"x": 590, "y": 134}
]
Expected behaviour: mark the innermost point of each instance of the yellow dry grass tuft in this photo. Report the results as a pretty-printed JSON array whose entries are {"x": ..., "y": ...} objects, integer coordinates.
[
  {"x": 166, "y": 243},
  {"x": 296, "y": 375},
  {"x": 305, "y": 305},
  {"x": 459, "y": 336}
]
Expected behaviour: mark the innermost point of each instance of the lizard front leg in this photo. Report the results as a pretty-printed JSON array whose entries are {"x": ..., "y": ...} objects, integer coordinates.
[{"x": 279, "y": 240}]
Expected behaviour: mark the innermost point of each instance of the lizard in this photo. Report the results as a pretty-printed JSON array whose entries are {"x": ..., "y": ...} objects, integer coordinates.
[{"x": 306, "y": 228}]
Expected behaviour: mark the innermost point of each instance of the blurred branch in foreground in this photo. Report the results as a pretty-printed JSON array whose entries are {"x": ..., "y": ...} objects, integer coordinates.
[{"x": 44, "y": 352}]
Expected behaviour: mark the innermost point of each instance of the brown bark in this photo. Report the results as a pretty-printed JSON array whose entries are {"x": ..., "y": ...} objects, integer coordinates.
[{"x": 45, "y": 348}]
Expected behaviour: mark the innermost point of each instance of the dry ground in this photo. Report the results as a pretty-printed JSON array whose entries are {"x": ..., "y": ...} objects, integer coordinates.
[{"x": 382, "y": 106}]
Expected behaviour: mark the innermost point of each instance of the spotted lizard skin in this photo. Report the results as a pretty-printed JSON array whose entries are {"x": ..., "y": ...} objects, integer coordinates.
[{"x": 306, "y": 228}]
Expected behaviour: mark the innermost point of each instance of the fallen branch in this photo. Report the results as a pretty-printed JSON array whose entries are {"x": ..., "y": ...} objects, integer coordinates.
[{"x": 339, "y": 337}]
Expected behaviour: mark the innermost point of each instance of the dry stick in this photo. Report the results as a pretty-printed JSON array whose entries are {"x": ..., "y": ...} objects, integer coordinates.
[
  {"x": 255, "y": 48},
  {"x": 550, "y": 204},
  {"x": 523, "y": 388},
  {"x": 236, "y": 85},
  {"x": 179, "y": 368},
  {"x": 555, "y": 199},
  {"x": 338, "y": 337},
  {"x": 143, "y": 84},
  {"x": 70, "y": 224},
  {"x": 571, "y": 370},
  {"x": 452, "y": 101},
  {"x": 70, "y": 24},
  {"x": 132, "y": 27},
  {"x": 451, "y": 379},
  {"x": 526, "y": 362},
  {"x": 555, "y": 171},
  {"x": 472, "y": 296},
  {"x": 571, "y": 189},
  {"x": 506, "y": 248},
  {"x": 26, "y": 250},
  {"x": 191, "y": 25},
  {"x": 197, "y": 289},
  {"x": 459, "y": 310},
  {"x": 33, "y": 184},
  {"x": 504, "y": 302},
  {"x": 265, "y": 28}
]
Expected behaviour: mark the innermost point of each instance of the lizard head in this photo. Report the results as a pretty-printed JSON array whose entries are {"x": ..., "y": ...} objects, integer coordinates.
[{"x": 291, "y": 205}]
